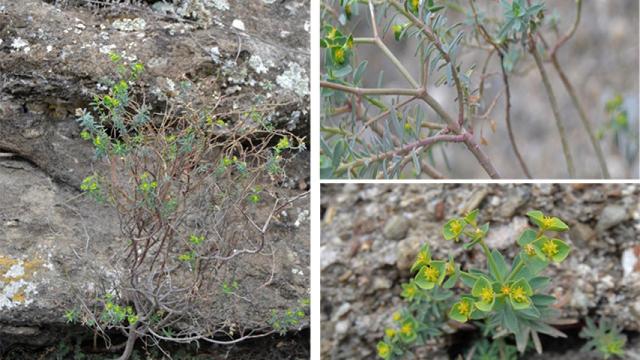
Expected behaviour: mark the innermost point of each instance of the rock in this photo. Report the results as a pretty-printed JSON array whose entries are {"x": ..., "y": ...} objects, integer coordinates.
[
  {"x": 630, "y": 260},
  {"x": 341, "y": 328},
  {"x": 504, "y": 236},
  {"x": 342, "y": 311},
  {"x": 611, "y": 216},
  {"x": 380, "y": 283},
  {"x": 62, "y": 247},
  {"x": 475, "y": 200},
  {"x": 59, "y": 71},
  {"x": 396, "y": 228},
  {"x": 407, "y": 252},
  {"x": 516, "y": 197},
  {"x": 582, "y": 234}
]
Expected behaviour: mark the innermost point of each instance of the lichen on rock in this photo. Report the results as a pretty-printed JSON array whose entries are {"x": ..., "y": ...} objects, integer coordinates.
[
  {"x": 295, "y": 79},
  {"x": 17, "y": 284}
]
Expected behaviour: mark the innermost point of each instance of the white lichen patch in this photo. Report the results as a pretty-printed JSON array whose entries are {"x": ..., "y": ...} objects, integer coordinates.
[
  {"x": 258, "y": 65},
  {"x": 294, "y": 79},
  {"x": 129, "y": 25},
  {"x": 105, "y": 49},
  {"x": 222, "y": 5},
  {"x": 15, "y": 271},
  {"x": 17, "y": 293},
  {"x": 238, "y": 24},
  {"x": 20, "y": 44},
  {"x": 307, "y": 26},
  {"x": 302, "y": 218},
  {"x": 16, "y": 281}
]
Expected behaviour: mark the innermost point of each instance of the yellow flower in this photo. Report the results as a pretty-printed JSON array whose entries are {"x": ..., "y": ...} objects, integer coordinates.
[
  {"x": 339, "y": 55},
  {"x": 390, "y": 332},
  {"x": 519, "y": 295},
  {"x": 506, "y": 290},
  {"x": 332, "y": 34},
  {"x": 407, "y": 328},
  {"x": 451, "y": 269},
  {"x": 422, "y": 257},
  {"x": 411, "y": 291},
  {"x": 384, "y": 350},
  {"x": 550, "y": 248},
  {"x": 486, "y": 294},
  {"x": 529, "y": 249},
  {"x": 414, "y": 5},
  {"x": 464, "y": 308},
  {"x": 456, "y": 227},
  {"x": 397, "y": 316},
  {"x": 547, "y": 221},
  {"x": 431, "y": 273}
]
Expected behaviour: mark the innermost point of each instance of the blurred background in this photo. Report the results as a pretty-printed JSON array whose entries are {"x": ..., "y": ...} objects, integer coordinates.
[{"x": 601, "y": 60}]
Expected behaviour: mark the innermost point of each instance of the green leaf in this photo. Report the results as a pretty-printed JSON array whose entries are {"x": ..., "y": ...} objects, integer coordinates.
[
  {"x": 530, "y": 312},
  {"x": 501, "y": 264},
  {"x": 422, "y": 259},
  {"x": 341, "y": 72},
  {"x": 526, "y": 237},
  {"x": 536, "y": 217},
  {"x": 557, "y": 225},
  {"x": 510, "y": 320},
  {"x": 468, "y": 279},
  {"x": 357, "y": 75},
  {"x": 539, "y": 282},
  {"x": 338, "y": 151},
  {"x": 471, "y": 217},
  {"x": 543, "y": 300}
]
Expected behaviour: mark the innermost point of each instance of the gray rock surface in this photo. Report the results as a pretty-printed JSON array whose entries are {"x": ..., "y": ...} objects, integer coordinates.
[{"x": 54, "y": 59}]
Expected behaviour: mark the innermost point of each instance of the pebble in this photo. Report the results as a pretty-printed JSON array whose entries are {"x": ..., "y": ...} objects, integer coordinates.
[
  {"x": 341, "y": 328},
  {"x": 502, "y": 237},
  {"x": 407, "y": 252},
  {"x": 475, "y": 200},
  {"x": 611, "y": 216},
  {"x": 381, "y": 283},
  {"x": 238, "y": 24},
  {"x": 630, "y": 260},
  {"x": 582, "y": 234},
  {"x": 396, "y": 228},
  {"x": 516, "y": 198},
  {"x": 342, "y": 310}
]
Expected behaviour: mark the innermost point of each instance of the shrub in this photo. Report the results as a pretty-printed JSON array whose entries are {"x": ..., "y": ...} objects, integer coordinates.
[
  {"x": 182, "y": 182},
  {"x": 384, "y": 132}
]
